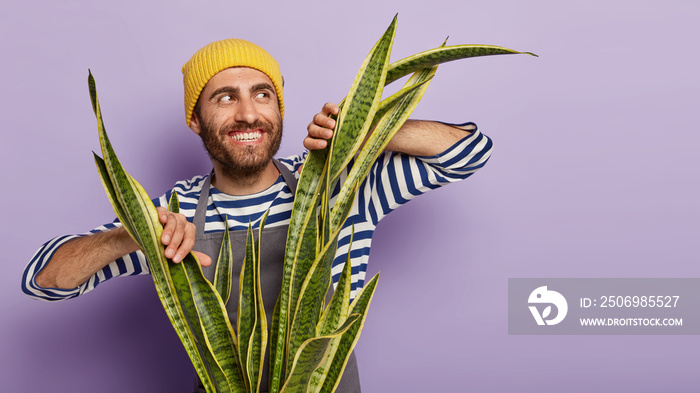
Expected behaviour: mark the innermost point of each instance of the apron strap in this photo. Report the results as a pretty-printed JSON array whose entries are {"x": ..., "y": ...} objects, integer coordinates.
[
  {"x": 287, "y": 175},
  {"x": 200, "y": 214}
]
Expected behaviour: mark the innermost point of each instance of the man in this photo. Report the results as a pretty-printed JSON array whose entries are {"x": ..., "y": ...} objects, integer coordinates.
[{"x": 234, "y": 102}]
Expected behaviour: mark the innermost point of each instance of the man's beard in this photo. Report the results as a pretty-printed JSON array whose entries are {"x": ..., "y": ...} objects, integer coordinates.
[{"x": 245, "y": 162}]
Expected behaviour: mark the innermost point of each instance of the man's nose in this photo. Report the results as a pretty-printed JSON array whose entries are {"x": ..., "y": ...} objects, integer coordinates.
[{"x": 247, "y": 112}]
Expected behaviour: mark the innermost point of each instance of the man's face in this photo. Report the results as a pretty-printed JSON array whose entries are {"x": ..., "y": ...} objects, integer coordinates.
[{"x": 239, "y": 121}]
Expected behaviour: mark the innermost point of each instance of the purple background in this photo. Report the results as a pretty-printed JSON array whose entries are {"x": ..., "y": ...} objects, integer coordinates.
[{"x": 594, "y": 174}]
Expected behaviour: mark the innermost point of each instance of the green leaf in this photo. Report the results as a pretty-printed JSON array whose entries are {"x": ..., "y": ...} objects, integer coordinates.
[
  {"x": 252, "y": 322},
  {"x": 305, "y": 257},
  {"x": 390, "y": 102},
  {"x": 335, "y": 315},
  {"x": 247, "y": 312},
  {"x": 386, "y": 128},
  {"x": 311, "y": 301},
  {"x": 218, "y": 332},
  {"x": 111, "y": 193},
  {"x": 339, "y": 307},
  {"x": 309, "y": 306},
  {"x": 139, "y": 216},
  {"x": 360, "y": 106},
  {"x": 261, "y": 334},
  {"x": 441, "y": 55},
  {"x": 274, "y": 335},
  {"x": 355, "y": 117},
  {"x": 334, "y": 365},
  {"x": 187, "y": 302},
  {"x": 310, "y": 186},
  {"x": 312, "y": 353},
  {"x": 117, "y": 183},
  {"x": 301, "y": 230},
  {"x": 224, "y": 265},
  {"x": 212, "y": 316}
]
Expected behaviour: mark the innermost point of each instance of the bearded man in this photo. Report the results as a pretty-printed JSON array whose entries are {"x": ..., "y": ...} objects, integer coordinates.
[{"x": 234, "y": 102}]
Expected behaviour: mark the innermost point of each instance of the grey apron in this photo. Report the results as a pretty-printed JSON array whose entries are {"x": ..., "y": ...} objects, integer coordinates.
[{"x": 271, "y": 266}]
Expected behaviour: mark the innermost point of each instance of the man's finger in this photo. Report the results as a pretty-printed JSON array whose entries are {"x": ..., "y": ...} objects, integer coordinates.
[
  {"x": 169, "y": 228},
  {"x": 330, "y": 108},
  {"x": 314, "y": 144},
  {"x": 316, "y": 131},
  {"x": 320, "y": 119},
  {"x": 162, "y": 214},
  {"x": 187, "y": 242},
  {"x": 323, "y": 121},
  {"x": 175, "y": 249},
  {"x": 203, "y": 258}
]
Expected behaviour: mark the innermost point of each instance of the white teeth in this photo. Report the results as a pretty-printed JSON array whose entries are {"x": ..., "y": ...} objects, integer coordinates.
[{"x": 247, "y": 136}]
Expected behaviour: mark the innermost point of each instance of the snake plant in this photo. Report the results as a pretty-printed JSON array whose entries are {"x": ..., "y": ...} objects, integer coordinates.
[{"x": 310, "y": 341}]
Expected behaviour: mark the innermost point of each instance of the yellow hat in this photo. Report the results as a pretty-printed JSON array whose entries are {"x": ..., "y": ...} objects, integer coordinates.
[{"x": 221, "y": 55}]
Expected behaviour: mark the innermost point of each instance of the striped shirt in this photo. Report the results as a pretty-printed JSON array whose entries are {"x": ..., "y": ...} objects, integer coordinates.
[{"x": 394, "y": 179}]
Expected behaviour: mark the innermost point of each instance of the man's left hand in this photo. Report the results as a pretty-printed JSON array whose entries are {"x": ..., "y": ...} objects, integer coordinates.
[{"x": 321, "y": 128}]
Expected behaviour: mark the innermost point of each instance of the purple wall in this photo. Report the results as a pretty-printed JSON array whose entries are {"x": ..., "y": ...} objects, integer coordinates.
[{"x": 594, "y": 174}]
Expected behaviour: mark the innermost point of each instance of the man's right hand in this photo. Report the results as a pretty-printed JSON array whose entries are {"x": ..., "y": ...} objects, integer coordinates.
[
  {"x": 178, "y": 237},
  {"x": 79, "y": 259}
]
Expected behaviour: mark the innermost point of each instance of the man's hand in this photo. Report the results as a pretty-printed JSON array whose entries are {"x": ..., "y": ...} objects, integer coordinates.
[
  {"x": 321, "y": 128},
  {"x": 78, "y": 259},
  {"x": 416, "y": 137},
  {"x": 178, "y": 237}
]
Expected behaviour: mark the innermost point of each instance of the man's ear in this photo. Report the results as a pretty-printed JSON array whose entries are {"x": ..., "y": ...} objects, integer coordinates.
[{"x": 194, "y": 123}]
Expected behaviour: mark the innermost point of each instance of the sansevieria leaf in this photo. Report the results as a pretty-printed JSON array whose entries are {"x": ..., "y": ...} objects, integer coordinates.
[
  {"x": 386, "y": 128},
  {"x": 336, "y": 364},
  {"x": 224, "y": 265},
  {"x": 303, "y": 220},
  {"x": 357, "y": 111},
  {"x": 390, "y": 102},
  {"x": 311, "y": 353},
  {"x": 181, "y": 273},
  {"x": 213, "y": 317},
  {"x": 361, "y": 103},
  {"x": 441, "y": 55},
  {"x": 339, "y": 307},
  {"x": 138, "y": 215},
  {"x": 310, "y": 303},
  {"x": 220, "y": 336},
  {"x": 252, "y": 322},
  {"x": 301, "y": 229},
  {"x": 334, "y": 316},
  {"x": 116, "y": 183}
]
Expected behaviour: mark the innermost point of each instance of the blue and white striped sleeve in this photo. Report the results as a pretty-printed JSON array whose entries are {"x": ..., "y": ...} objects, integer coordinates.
[
  {"x": 294, "y": 163},
  {"x": 397, "y": 178},
  {"x": 128, "y": 265},
  {"x": 394, "y": 179}
]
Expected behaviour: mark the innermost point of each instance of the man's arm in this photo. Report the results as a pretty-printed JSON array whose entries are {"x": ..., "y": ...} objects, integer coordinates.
[
  {"x": 79, "y": 259},
  {"x": 415, "y": 138},
  {"x": 425, "y": 138},
  {"x": 422, "y": 156}
]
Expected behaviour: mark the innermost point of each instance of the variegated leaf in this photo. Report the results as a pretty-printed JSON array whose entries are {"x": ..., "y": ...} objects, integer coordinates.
[
  {"x": 224, "y": 265},
  {"x": 312, "y": 353}
]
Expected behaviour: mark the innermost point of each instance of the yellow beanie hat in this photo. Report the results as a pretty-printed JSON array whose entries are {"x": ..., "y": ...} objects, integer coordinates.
[{"x": 220, "y": 55}]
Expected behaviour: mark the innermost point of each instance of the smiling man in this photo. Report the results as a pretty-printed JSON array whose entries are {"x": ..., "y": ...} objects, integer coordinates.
[
  {"x": 238, "y": 118},
  {"x": 234, "y": 101}
]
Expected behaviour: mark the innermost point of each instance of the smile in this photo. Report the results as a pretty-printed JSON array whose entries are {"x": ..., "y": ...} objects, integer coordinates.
[{"x": 251, "y": 136}]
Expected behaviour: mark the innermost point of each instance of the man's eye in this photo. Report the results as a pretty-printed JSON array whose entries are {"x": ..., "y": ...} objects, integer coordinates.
[
  {"x": 226, "y": 99},
  {"x": 263, "y": 95}
]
